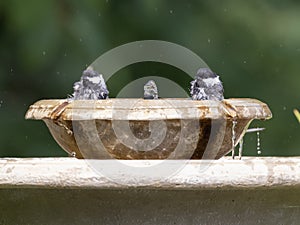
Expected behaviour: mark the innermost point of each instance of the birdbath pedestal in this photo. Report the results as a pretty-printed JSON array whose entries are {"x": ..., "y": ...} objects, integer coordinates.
[
  {"x": 253, "y": 190},
  {"x": 200, "y": 190}
]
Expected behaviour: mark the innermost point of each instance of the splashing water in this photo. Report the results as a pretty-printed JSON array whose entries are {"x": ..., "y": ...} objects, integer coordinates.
[
  {"x": 258, "y": 143},
  {"x": 257, "y": 130},
  {"x": 241, "y": 142},
  {"x": 233, "y": 137}
]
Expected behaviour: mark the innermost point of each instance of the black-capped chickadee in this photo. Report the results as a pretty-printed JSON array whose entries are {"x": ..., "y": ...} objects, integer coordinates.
[
  {"x": 150, "y": 90},
  {"x": 206, "y": 86},
  {"x": 91, "y": 86}
]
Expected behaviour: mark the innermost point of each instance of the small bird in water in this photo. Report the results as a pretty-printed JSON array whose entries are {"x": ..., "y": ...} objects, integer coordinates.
[
  {"x": 90, "y": 87},
  {"x": 150, "y": 90},
  {"x": 206, "y": 86}
]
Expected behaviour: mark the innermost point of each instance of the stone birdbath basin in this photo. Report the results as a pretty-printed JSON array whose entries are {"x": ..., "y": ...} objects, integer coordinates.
[{"x": 148, "y": 129}]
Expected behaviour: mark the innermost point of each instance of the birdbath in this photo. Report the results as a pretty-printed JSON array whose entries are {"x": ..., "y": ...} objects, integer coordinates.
[
  {"x": 148, "y": 129},
  {"x": 175, "y": 191}
]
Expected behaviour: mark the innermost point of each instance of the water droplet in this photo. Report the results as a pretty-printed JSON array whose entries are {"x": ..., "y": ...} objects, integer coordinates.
[
  {"x": 208, "y": 40},
  {"x": 234, "y": 123},
  {"x": 258, "y": 143},
  {"x": 245, "y": 62},
  {"x": 80, "y": 39},
  {"x": 65, "y": 54},
  {"x": 284, "y": 108},
  {"x": 171, "y": 11},
  {"x": 1, "y": 102},
  {"x": 57, "y": 72},
  {"x": 99, "y": 14},
  {"x": 44, "y": 53},
  {"x": 11, "y": 70}
]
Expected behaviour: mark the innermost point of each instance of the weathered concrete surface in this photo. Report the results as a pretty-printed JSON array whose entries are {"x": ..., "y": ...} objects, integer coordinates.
[
  {"x": 250, "y": 172},
  {"x": 68, "y": 191}
]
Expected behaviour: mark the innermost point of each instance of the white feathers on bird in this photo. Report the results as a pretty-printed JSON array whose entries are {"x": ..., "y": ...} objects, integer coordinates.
[
  {"x": 206, "y": 86},
  {"x": 90, "y": 87},
  {"x": 150, "y": 90}
]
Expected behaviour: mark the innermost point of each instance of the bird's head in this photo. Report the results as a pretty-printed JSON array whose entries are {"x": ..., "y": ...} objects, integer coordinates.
[
  {"x": 205, "y": 73},
  {"x": 90, "y": 78}
]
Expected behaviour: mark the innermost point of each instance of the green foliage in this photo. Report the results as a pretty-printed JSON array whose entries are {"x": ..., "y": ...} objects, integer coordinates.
[{"x": 253, "y": 45}]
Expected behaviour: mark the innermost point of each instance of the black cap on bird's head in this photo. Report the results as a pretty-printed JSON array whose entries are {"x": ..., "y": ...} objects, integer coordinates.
[
  {"x": 90, "y": 72},
  {"x": 90, "y": 77},
  {"x": 206, "y": 73}
]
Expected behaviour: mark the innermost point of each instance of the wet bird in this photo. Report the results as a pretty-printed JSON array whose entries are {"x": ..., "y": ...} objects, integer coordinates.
[
  {"x": 90, "y": 87},
  {"x": 206, "y": 86},
  {"x": 150, "y": 90}
]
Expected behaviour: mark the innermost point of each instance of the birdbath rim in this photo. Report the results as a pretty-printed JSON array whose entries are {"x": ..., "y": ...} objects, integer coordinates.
[{"x": 143, "y": 109}]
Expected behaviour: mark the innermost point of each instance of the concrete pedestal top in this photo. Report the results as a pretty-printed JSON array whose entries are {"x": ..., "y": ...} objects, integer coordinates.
[
  {"x": 250, "y": 172},
  {"x": 72, "y": 191}
]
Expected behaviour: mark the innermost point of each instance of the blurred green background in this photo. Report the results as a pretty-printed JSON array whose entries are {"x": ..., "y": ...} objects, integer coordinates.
[{"x": 45, "y": 45}]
